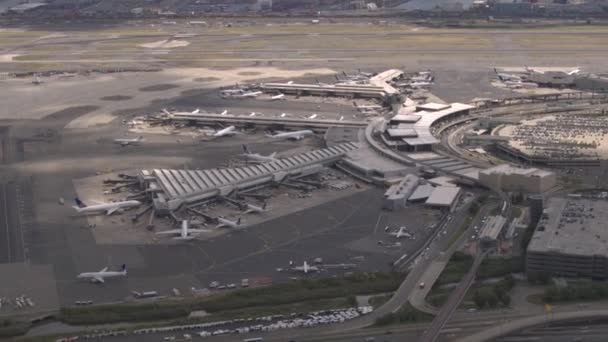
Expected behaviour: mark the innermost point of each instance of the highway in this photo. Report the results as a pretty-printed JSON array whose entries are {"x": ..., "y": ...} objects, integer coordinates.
[{"x": 447, "y": 310}]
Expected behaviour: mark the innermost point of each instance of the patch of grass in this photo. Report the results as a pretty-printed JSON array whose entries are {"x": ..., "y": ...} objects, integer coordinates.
[
  {"x": 585, "y": 291},
  {"x": 31, "y": 57},
  {"x": 406, "y": 314},
  {"x": 278, "y": 294},
  {"x": 10, "y": 328},
  {"x": 456, "y": 268},
  {"x": 378, "y": 301},
  {"x": 492, "y": 267}
]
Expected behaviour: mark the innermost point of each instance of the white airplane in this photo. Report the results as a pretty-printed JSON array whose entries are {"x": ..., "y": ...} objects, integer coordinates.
[
  {"x": 99, "y": 277},
  {"x": 305, "y": 268},
  {"x": 401, "y": 233},
  {"x": 290, "y": 82},
  {"x": 297, "y": 135},
  {"x": 109, "y": 208},
  {"x": 125, "y": 142},
  {"x": 506, "y": 77},
  {"x": 366, "y": 106},
  {"x": 250, "y": 94},
  {"x": 256, "y": 157},
  {"x": 532, "y": 70},
  {"x": 225, "y": 132},
  {"x": 521, "y": 85},
  {"x": 252, "y": 114},
  {"x": 574, "y": 71},
  {"x": 341, "y": 118},
  {"x": 254, "y": 209},
  {"x": 283, "y": 115},
  {"x": 312, "y": 117},
  {"x": 194, "y": 112},
  {"x": 185, "y": 233},
  {"x": 278, "y": 97},
  {"x": 420, "y": 84},
  {"x": 228, "y": 223}
]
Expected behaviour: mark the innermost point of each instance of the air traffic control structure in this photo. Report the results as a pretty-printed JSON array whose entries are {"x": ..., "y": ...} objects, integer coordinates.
[{"x": 170, "y": 189}]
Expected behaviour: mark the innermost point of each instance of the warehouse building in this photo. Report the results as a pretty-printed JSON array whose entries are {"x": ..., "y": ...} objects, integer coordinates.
[
  {"x": 444, "y": 197},
  {"x": 510, "y": 178},
  {"x": 396, "y": 196},
  {"x": 570, "y": 239}
]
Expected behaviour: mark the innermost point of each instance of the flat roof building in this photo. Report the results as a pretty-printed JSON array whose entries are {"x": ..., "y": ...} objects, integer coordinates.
[
  {"x": 510, "y": 178},
  {"x": 491, "y": 230},
  {"x": 396, "y": 196},
  {"x": 444, "y": 197},
  {"x": 571, "y": 239}
]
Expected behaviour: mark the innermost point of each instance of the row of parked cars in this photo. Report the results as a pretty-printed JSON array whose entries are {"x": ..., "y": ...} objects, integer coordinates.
[
  {"x": 235, "y": 326},
  {"x": 309, "y": 320}
]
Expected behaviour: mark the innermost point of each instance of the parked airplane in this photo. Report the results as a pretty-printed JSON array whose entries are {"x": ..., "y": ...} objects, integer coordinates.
[
  {"x": 256, "y": 157},
  {"x": 278, "y": 97},
  {"x": 420, "y": 84},
  {"x": 225, "y": 132},
  {"x": 521, "y": 85},
  {"x": 533, "y": 70},
  {"x": 360, "y": 107},
  {"x": 296, "y": 135},
  {"x": 305, "y": 268},
  {"x": 125, "y": 142},
  {"x": 185, "y": 233},
  {"x": 574, "y": 71},
  {"x": 254, "y": 209},
  {"x": 228, "y": 223},
  {"x": 401, "y": 233},
  {"x": 506, "y": 77},
  {"x": 109, "y": 208},
  {"x": 250, "y": 94},
  {"x": 312, "y": 116},
  {"x": 99, "y": 277},
  {"x": 252, "y": 114},
  {"x": 194, "y": 112},
  {"x": 283, "y": 115}
]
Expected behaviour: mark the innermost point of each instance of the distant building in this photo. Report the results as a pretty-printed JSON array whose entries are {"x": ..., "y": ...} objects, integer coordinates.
[
  {"x": 570, "y": 240},
  {"x": 396, "y": 196},
  {"x": 510, "y": 178},
  {"x": 491, "y": 230},
  {"x": 411, "y": 129}
]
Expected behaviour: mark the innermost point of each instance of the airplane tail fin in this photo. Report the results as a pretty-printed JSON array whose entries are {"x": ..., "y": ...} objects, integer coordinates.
[
  {"x": 140, "y": 138},
  {"x": 123, "y": 268},
  {"x": 496, "y": 72},
  {"x": 79, "y": 203},
  {"x": 273, "y": 154},
  {"x": 245, "y": 149},
  {"x": 264, "y": 206},
  {"x": 238, "y": 222}
]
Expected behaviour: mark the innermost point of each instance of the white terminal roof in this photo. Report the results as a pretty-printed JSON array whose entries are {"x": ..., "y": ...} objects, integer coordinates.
[
  {"x": 401, "y": 133},
  {"x": 427, "y": 118},
  {"x": 423, "y": 191},
  {"x": 406, "y": 118},
  {"x": 506, "y": 169},
  {"x": 432, "y": 106},
  {"x": 384, "y": 77},
  {"x": 443, "y": 196},
  {"x": 573, "y": 227}
]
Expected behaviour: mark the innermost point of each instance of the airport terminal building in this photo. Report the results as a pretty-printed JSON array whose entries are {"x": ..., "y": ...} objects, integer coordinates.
[
  {"x": 570, "y": 239},
  {"x": 510, "y": 178}
]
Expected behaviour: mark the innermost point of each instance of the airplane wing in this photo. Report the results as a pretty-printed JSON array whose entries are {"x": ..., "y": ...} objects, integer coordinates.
[
  {"x": 199, "y": 230},
  {"x": 98, "y": 279},
  {"x": 170, "y": 232},
  {"x": 111, "y": 211},
  {"x": 104, "y": 269}
]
